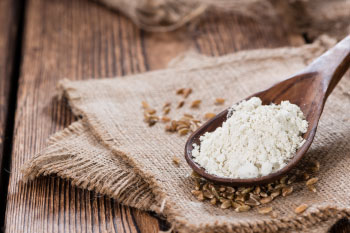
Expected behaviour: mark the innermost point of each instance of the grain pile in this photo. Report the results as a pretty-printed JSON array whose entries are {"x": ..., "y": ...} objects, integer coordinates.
[
  {"x": 243, "y": 199},
  {"x": 187, "y": 123}
]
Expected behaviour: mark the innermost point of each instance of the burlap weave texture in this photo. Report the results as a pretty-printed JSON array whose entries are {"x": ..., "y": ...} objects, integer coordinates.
[{"x": 114, "y": 138}]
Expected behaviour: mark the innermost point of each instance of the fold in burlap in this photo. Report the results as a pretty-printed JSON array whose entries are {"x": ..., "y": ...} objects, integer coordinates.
[{"x": 113, "y": 152}]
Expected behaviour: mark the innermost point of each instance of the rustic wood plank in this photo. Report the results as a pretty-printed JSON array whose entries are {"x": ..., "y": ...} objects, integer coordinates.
[
  {"x": 8, "y": 37},
  {"x": 217, "y": 34},
  {"x": 74, "y": 39},
  {"x": 8, "y": 29},
  {"x": 80, "y": 40}
]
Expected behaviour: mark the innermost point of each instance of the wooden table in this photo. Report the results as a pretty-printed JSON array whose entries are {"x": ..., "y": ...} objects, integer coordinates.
[{"x": 43, "y": 41}]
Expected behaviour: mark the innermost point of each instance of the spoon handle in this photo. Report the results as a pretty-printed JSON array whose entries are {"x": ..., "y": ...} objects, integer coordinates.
[{"x": 332, "y": 65}]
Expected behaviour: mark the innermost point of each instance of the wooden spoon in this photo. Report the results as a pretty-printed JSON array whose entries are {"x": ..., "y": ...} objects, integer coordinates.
[{"x": 308, "y": 89}]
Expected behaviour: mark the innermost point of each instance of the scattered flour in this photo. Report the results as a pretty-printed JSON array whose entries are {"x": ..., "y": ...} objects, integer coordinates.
[{"x": 254, "y": 141}]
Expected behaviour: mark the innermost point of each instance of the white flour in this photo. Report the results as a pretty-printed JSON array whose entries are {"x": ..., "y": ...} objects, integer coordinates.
[{"x": 254, "y": 141}]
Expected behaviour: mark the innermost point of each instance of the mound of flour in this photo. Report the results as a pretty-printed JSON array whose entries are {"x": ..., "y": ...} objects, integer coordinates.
[{"x": 254, "y": 141}]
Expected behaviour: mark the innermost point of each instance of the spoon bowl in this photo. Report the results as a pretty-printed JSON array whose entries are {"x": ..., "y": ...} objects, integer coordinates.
[{"x": 308, "y": 89}]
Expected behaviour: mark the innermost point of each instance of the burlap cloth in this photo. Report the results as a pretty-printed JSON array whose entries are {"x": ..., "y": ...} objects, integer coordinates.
[
  {"x": 112, "y": 151},
  {"x": 310, "y": 17}
]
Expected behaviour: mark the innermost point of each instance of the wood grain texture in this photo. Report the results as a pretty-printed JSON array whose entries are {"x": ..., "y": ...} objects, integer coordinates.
[
  {"x": 81, "y": 40},
  {"x": 8, "y": 32}
]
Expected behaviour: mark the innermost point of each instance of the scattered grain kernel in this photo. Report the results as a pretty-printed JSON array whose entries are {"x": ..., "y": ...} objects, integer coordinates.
[
  {"x": 200, "y": 197},
  {"x": 270, "y": 187},
  {"x": 306, "y": 176},
  {"x": 230, "y": 189},
  {"x": 213, "y": 201},
  {"x": 252, "y": 202},
  {"x": 252, "y": 195},
  {"x": 312, "y": 188},
  {"x": 188, "y": 115},
  {"x": 219, "y": 101},
  {"x": 292, "y": 179},
  {"x": 208, "y": 194},
  {"x": 152, "y": 122},
  {"x": 240, "y": 198},
  {"x": 287, "y": 190},
  {"x": 187, "y": 92},
  {"x": 210, "y": 186},
  {"x": 145, "y": 104},
  {"x": 246, "y": 190},
  {"x": 180, "y": 91},
  {"x": 226, "y": 204},
  {"x": 240, "y": 202},
  {"x": 311, "y": 181},
  {"x": 197, "y": 185},
  {"x": 176, "y": 161},
  {"x": 165, "y": 119},
  {"x": 209, "y": 115},
  {"x": 169, "y": 128},
  {"x": 195, "y": 175},
  {"x": 183, "y": 122},
  {"x": 265, "y": 210},
  {"x": 180, "y": 104},
  {"x": 301, "y": 208},
  {"x": 183, "y": 131},
  {"x": 206, "y": 186},
  {"x": 242, "y": 208},
  {"x": 213, "y": 191},
  {"x": 150, "y": 111},
  {"x": 174, "y": 124},
  {"x": 316, "y": 166},
  {"x": 196, "y": 192},
  {"x": 166, "y": 110},
  {"x": 283, "y": 180},
  {"x": 166, "y": 105},
  {"x": 181, "y": 126},
  {"x": 266, "y": 200},
  {"x": 275, "y": 194},
  {"x": 235, "y": 204},
  {"x": 280, "y": 186},
  {"x": 263, "y": 194},
  {"x": 257, "y": 190},
  {"x": 230, "y": 196},
  {"x": 196, "y": 103}
]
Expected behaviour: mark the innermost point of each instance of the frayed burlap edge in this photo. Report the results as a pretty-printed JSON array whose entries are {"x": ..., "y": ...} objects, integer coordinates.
[
  {"x": 125, "y": 186},
  {"x": 169, "y": 209}
]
